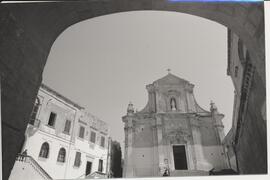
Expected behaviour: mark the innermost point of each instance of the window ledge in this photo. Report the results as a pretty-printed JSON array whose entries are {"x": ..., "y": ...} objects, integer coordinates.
[
  {"x": 76, "y": 167},
  {"x": 67, "y": 133},
  {"x": 52, "y": 127},
  {"x": 81, "y": 139},
  {"x": 42, "y": 158},
  {"x": 102, "y": 147},
  {"x": 60, "y": 163}
]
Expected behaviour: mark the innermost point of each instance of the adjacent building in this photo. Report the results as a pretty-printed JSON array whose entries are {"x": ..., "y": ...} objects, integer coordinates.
[
  {"x": 64, "y": 139},
  {"x": 237, "y": 58},
  {"x": 248, "y": 133},
  {"x": 173, "y": 133}
]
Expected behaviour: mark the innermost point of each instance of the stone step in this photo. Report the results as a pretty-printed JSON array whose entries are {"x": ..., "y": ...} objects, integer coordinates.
[{"x": 189, "y": 173}]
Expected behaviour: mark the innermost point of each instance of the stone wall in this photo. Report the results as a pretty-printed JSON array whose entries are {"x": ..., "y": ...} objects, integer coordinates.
[{"x": 252, "y": 143}]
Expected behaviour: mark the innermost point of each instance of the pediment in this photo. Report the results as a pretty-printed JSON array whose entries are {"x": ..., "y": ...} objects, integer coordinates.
[{"x": 170, "y": 79}]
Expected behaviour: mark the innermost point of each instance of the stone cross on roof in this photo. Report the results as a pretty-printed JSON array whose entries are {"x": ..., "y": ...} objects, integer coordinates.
[{"x": 169, "y": 70}]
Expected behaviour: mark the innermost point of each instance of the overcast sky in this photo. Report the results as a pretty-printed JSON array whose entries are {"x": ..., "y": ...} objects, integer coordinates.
[{"x": 105, "y": 62}]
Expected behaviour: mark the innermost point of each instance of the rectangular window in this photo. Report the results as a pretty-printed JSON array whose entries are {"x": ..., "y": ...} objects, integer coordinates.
[
  {"x": 52, "y": 119},
  {"x": 81, "y": 132},
  {"x": 102, "y": 141},
  {"x": 93, "y": 137},
  {"x": 67, "y": 126},
  {"x": 100, "y": 165},
  {"x": 77, "y": 161}
]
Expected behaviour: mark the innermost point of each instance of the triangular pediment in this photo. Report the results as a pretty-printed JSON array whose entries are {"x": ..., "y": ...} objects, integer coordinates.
[{"x": 170, "y": 79}]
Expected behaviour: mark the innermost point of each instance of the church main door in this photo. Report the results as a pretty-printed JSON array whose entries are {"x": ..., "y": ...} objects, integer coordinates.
[{"x": 180, "y": 159}]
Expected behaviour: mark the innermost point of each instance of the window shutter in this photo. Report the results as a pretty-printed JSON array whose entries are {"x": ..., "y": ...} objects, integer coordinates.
[
  {"x": 100, "y": 165},
  {"x": 81, "y": 132},
  {"x": 67, "y": 126},
  {"x": 93, "y": 137},
  {"x": 77, "y": 162}
]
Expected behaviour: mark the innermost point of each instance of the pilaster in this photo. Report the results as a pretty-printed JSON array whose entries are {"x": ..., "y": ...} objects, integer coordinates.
[
  {"x": 160, "y": 146},
  {"x": 198, "y": 150},
  {"x": 155, "y": 150},
  {"x": 128, "y": 170}
]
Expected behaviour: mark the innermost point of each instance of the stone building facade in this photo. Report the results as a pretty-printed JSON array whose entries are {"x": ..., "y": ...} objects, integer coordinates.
[
  {"x": 63, "y": 138},
  {"x": 248, "y": 133},
  {"x": 172, "y": 132}
]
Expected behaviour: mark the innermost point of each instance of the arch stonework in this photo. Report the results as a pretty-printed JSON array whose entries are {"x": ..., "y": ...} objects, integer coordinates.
[{"x": 27, "y": 32}]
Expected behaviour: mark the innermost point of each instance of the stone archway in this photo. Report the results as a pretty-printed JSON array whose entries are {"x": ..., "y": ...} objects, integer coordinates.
[{"x": 27, "y": 32}]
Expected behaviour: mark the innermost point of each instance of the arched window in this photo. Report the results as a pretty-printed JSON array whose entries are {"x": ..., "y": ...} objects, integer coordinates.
[
  {"x": 61, "y": 155},
  {"x": 44, "y": 151},
  {"x": 173, "y": 104}
]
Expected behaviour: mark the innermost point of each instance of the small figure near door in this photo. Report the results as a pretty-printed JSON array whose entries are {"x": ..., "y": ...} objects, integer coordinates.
[
  {"x": 166, "y": 172},
  {"x": 167, "y": 169}
]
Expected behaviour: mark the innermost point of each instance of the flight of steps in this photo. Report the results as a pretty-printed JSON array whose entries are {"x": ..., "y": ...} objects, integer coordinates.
[
  {"x": 189, "y": 173},
  {"x": 27, "y": 168}
]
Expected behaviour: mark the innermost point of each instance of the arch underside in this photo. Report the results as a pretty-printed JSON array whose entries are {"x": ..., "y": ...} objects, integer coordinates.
[{"x": 27, "y": 32}]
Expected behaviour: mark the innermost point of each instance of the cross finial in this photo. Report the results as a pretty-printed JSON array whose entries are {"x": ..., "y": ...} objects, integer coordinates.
[{"x": 169, "y": 70}]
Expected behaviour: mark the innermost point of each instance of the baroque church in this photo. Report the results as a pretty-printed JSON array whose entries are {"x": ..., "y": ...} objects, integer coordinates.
[{"x": 172, "y": 133}]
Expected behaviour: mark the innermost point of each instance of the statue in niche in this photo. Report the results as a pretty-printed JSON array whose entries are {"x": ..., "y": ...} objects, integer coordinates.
[{"x": 173, "y": 104}]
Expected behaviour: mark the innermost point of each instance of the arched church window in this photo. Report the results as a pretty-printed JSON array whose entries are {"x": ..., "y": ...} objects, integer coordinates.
[
  {"x": 173, "y": 104},
  {"x": 61, "y": 155},
  {"x": 44, "y": 150}
]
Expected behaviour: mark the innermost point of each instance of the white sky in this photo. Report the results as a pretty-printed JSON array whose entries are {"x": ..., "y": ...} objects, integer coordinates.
[{"x": 105, "y": 62}]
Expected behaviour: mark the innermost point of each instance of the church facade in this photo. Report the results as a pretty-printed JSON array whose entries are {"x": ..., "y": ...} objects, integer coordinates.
[{"x": 172, "y": 133}]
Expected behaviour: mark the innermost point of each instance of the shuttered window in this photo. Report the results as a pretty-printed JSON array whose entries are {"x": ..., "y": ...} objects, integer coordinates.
[
  {"x": 44, "y": 150},
  {"x": 67, "y": 126},
  {"x": 81, "y": 132},
  {"x": 52, "y": 119},
  {"x": 61, "y": 155},
  {"x": 77, "y": 161},
  {"x": 100, "y": 165},
  {"x": 93, "y": 137},
  {"x": 102, "y": 141}
]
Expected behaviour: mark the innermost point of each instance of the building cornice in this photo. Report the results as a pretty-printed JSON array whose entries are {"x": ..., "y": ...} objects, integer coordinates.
[{"x": 50, "y": 90}]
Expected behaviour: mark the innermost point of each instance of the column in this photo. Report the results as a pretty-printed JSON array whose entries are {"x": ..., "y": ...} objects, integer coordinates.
[
  {"x": 160, "y": 147},
  {"x": 128, "y": 170},
  {"x": 155, "y": 150},
  {"x": 196, "y": 135}
]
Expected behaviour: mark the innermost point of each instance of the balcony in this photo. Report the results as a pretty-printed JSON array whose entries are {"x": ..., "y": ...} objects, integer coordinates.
[{"x": 34, "y": 122}]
